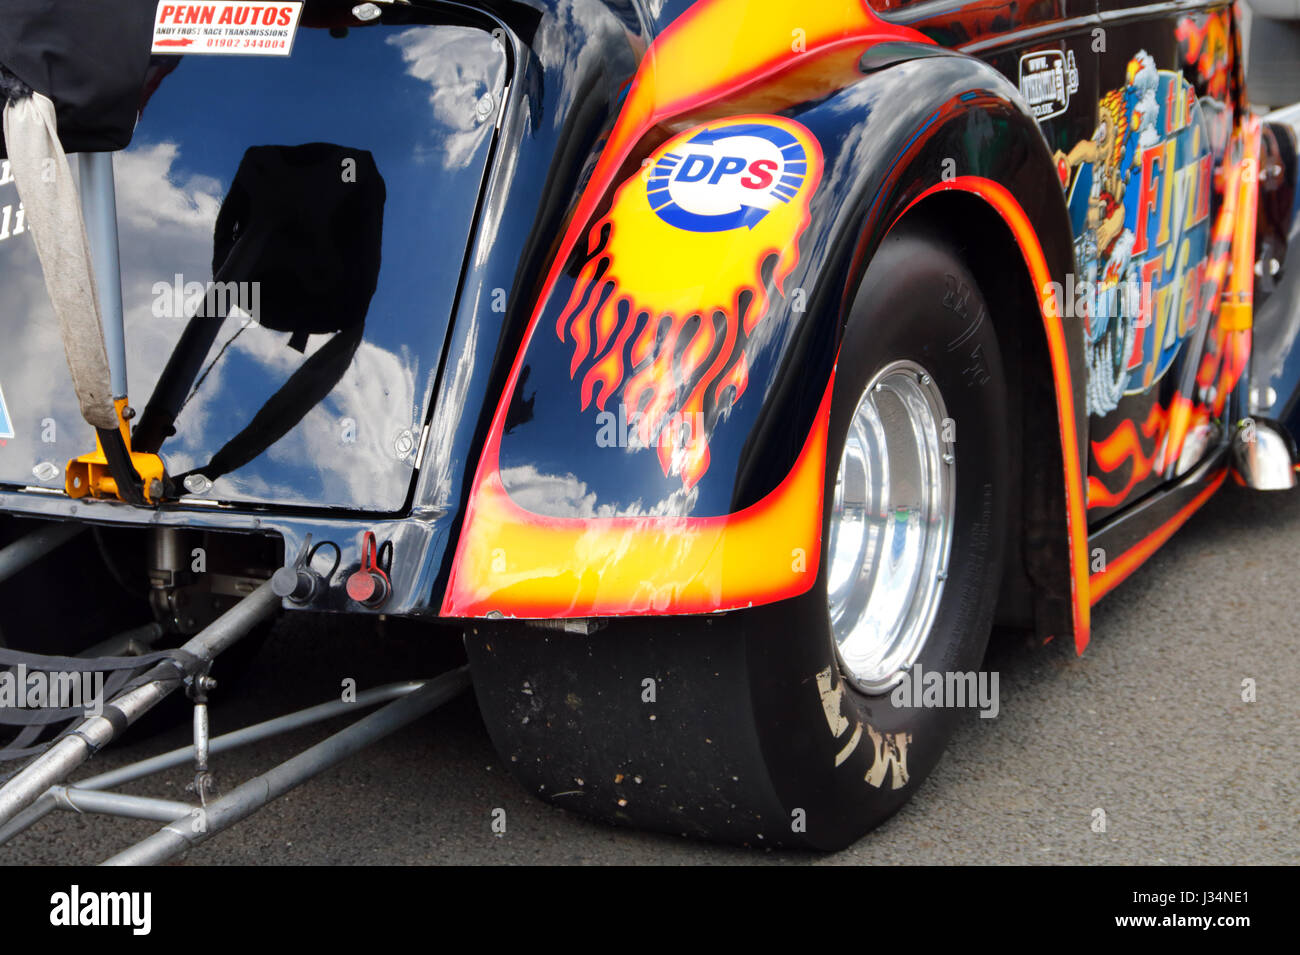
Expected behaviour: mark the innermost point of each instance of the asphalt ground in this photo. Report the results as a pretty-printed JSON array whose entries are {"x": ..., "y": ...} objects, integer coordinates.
[{"x": 1149, "y": 725}]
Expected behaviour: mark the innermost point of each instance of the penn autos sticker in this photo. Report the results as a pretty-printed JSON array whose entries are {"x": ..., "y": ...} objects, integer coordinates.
[
  {"x": 672, "y": 286},
  {"x": 1048, "y": 79},
  {"x": 1139, "y": 197},
  {"x": 231, "y": 27},
  {"x": 6, "y": 423}
]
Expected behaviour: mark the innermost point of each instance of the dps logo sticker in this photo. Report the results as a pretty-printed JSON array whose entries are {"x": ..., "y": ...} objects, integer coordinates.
[
  {"x": 6, "y": 423},
  {"x": 674, "y": 284},
  {"x": 727, "y": 177},
  {"x": 1047, "y": 81}
]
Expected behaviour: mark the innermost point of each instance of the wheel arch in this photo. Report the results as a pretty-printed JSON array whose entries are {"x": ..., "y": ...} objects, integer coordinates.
[
  {"x": 975, "y": 162},
  {"x": 971, "y": 158},
  {"x": 1037, "y": 592}
]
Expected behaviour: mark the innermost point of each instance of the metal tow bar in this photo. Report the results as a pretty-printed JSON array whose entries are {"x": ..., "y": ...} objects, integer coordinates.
[
  {"x": 39, "y": 788},
  {"x": 92, "y": 734},
  {"x": 190, "y": 825},
  {"x": 178, "y": 836}
]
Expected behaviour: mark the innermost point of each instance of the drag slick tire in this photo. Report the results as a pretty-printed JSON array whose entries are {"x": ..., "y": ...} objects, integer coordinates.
[{"x": 775, "y": 725}]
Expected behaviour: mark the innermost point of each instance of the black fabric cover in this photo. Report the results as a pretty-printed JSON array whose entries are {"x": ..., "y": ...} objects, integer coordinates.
[
  {"x": 88, "y": 56},
  {"x": 306, "y": 223},
  {"x": 311, "y": 237}
]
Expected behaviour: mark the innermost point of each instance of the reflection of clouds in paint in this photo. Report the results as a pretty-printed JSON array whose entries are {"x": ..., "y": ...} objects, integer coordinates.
[
  {"x": 563, "y": 495},
  {"x": 150, "y": 194},
  {"x": 565, "y": 48},
  {"x": 378, "y": 393},
  {"x": 461, "y": 64},
  {"x": 439, "y": 459},
  {"x": 165, "y": 226},
  {"x": 166, "y": 223}
]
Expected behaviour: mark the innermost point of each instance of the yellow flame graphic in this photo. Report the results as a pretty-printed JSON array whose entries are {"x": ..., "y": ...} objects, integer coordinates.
[{"x": 665, "y": 312}]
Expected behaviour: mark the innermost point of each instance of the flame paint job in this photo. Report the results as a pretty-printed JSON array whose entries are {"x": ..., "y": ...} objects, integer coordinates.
[
  {"x": 1119, "y": 568},
  {"x": 687, "y": 66},
  {"x": 552, "y": 567},
  {"x": 511, "y": 465},
  {"x": 638, "y": 316},
  {"x": 596, "y": 88},
  {"x": 1205, "y": 43},
  {"x": 684, "y": 68},
  {"x": 1138, "y": 445}
]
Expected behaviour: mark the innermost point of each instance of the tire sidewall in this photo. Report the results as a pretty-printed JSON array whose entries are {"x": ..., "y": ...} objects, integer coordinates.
[{"x": 822, "y": 738}]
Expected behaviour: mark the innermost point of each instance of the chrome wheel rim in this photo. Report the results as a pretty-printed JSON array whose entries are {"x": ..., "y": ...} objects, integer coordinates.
[{"x": 891, "y": 526}]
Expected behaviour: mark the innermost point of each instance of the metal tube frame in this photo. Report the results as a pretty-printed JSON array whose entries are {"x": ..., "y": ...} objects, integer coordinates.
[
  {"x": 92, "y": 734},
  {"x": 79, "y": 800},
  {"x": 32, "y": 547},
  {"x": 38, "y": 789},
  {"x": 176, "y": 838},
  {"x": 99, "y": 212},
  {"x": 406, "y": 701}
]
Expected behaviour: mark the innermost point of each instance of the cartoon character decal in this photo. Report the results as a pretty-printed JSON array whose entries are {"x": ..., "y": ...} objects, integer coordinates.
[
  {"x": 665, "y": 305},
  {"x": 1139, "y": 200}
]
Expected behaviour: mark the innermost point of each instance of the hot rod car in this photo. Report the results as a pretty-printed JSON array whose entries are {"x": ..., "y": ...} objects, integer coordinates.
[{"x": 709, "y": 366}]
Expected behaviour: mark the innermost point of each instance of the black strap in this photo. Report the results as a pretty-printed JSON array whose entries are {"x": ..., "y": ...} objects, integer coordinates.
[
  {"x": 314, "y": 379},
  {"x": 130, "y": 486},
  {"x": 123, "y": 675}
]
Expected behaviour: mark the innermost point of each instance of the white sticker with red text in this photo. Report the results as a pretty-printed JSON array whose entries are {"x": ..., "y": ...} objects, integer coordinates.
[{"x": 239, "y": 27}]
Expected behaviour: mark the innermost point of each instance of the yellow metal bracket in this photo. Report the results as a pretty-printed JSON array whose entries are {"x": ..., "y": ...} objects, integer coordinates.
[
  {"x": 1236, "y": 316},
  {"x": 90, "y": 475}
]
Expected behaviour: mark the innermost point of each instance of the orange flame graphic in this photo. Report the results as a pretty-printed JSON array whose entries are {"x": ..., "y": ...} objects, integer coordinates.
[
  {"x": 1163, "y": 432},
  {"x": 665, "y": 313},
  {"x": 1124, "y": 444}
]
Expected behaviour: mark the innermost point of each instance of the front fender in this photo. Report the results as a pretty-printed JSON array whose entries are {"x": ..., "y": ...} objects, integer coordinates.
[{"x": 578, "y": 508}]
